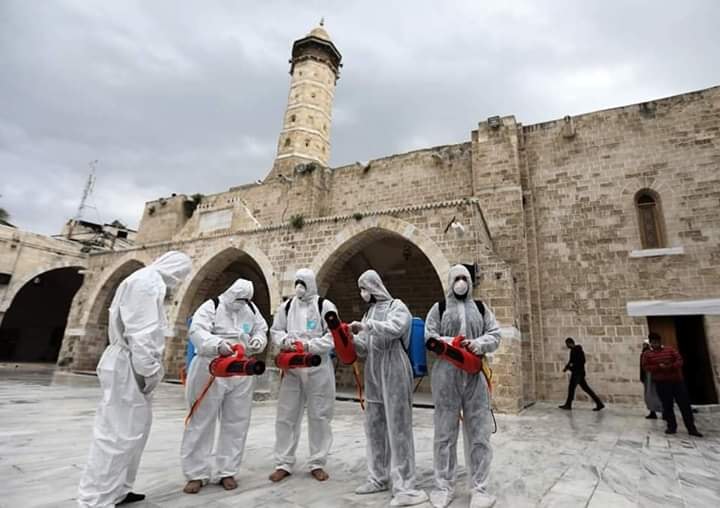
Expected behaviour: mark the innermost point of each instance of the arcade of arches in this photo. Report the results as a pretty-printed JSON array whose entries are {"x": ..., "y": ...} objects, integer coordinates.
[{"x": 406, "y": 270}]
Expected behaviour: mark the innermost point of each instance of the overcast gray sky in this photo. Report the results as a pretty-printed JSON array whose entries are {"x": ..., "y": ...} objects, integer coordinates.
[{"x": 180, "y": 96}]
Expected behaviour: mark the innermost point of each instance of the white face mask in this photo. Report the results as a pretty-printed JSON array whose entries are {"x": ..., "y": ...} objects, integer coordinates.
[
  {"x": 365, "y": 295},
  {"x": 235, "y": 305},
  {"x": 300, "y": 290},
  {"x": 460, "y": 287}
]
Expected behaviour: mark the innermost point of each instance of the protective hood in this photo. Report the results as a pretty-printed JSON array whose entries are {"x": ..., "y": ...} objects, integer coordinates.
[
  {"x": 308, "y": 277},
  {"x": 173, "y": 267},
  {"x": 240, "y": 290},
  {"x": 455, "y": 272},
  {"x": 371, "y": 281}
]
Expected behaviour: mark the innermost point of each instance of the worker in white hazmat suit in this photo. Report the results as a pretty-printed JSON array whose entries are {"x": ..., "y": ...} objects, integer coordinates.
[
  {"x": 213, "y": 332},
  {"x": 382, "y": 337},
  {"x": 129, "y": 370},
  {"x": 454, "y": 390},
  {"x": 301, "y": 318}
]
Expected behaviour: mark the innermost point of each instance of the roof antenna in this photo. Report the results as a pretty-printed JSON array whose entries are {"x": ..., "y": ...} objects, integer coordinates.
[
  {"x": 322, "y": 21},
  {"x": 83, "y": 201}
]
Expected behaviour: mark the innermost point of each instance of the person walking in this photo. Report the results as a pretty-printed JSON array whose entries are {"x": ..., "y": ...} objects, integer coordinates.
[{"x": 576, "y": 366}]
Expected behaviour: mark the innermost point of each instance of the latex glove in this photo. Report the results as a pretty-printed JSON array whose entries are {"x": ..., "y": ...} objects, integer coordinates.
[
  {"x": 254, "y": 343},
  {"x": 473, "y": 345},
  {"x": 287, "y": 344},
  {"x": 357, "y": 327},
  {"x": 152, "y": 381},
  {"x": 225, "y": 348}
]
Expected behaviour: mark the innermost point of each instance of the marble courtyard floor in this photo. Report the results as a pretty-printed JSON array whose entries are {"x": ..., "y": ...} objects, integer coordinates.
[{"x": 543, "y": 457}]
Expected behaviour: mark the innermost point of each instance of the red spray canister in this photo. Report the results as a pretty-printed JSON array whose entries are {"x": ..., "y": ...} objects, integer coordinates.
[
  {"x": 456, "y": 354},
  {"x": 236, "y": 365},
  {"x": 297, "y": 359},
  {"x": 342, "y": 338}
]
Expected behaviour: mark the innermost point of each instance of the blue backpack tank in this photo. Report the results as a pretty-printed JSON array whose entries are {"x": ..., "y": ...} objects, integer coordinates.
[{"x": 416, "y": 348}]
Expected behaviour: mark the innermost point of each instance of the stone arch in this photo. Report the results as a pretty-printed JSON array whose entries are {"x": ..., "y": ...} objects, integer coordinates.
[
  {"x": 411, "y": 265},
  {"x": 214, "y": 263},
  {"x": 351, "y": 239},
  {"x": 212, "y": 275},
  {"x": 83, "y": 350},
  {"x": 34, "y": 322},
  {"x": 104, "y": 290},
  {"x": 17, "y": 285}
]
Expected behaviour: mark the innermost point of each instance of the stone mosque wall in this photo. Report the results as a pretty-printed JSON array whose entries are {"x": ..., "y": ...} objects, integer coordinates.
[{"x": 549, "y": 217}]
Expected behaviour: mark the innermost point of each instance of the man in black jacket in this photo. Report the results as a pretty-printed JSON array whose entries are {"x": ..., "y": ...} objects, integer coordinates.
[{"x": 576, "y": 366}]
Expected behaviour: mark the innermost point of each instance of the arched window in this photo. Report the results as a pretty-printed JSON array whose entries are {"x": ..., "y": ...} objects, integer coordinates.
[{"x": 650, "y": 220}]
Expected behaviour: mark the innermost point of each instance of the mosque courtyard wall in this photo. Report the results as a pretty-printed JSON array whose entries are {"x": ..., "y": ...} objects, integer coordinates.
[{"x": 568, "y": 226}]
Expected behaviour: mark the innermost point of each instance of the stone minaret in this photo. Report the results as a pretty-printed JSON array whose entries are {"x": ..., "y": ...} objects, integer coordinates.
[{"x": 305, "y": 137}]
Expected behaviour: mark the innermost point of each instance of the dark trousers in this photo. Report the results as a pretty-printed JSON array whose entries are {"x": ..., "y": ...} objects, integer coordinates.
[
  {"x": 579, "y": 380},
  {"x": 670, "y": 393}
]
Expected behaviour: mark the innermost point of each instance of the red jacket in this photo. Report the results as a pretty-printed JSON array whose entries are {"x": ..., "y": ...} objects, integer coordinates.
[{"x": 665, "y": 365}]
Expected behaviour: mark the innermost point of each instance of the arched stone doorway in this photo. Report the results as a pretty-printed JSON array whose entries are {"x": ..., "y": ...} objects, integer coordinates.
[
  {"x": 212, "y": 277},
  {"x": 33, "y": 326},
  {"x": 91, "y": 346},
  {"x": 405, "y": 269}
]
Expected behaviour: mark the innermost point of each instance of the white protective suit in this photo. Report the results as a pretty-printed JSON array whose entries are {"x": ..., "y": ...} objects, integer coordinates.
[
  {"x": 454, "y": 390},
  {"x": 388, "y": 395},
  {"x": 229, "y": 399},
  {"x": 129, "y": 370},
  {"x": 314, "y": 386}
]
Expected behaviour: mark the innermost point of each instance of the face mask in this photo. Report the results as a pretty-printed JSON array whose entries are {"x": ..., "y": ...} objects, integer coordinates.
[
  {"x": 460, "y": 287},
  {"x": 235, "y": 305},
  {"x": 365, "y": 295},
  {"x": 300, "y": 290},
  {"x": 170, "y": 282}
]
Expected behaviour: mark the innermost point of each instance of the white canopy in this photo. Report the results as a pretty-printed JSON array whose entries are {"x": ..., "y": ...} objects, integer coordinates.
[{"x": 674, "y": 307}]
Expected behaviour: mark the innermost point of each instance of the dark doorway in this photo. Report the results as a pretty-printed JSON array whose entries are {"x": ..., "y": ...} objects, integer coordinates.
[
  {"x": 33, "y": 327},
  {"x": 687, "y": 334}
]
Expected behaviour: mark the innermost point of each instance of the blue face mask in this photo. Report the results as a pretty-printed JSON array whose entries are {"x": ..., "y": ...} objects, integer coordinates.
[
  {"x": 311, "y": 324},
  {"x": 246, "y": 327}
]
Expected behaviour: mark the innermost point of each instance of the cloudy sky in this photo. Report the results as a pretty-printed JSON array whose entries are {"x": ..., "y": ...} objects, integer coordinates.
[{"x": 180, "y": 96}]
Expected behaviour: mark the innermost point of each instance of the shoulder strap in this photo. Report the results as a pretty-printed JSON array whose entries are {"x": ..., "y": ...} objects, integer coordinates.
[
  {"x": 442, "y": 304},
  {"x": 321, "y": 301},
  {"x": 252, "y": 307},
  {"x": 287, "y": 306},
  {"x": 216, "y": 301}
]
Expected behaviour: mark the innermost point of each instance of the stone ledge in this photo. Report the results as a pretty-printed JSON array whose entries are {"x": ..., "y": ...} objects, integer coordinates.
[
  {"x": 668, "y": 251},
  {"x": 374, "y": 214}
]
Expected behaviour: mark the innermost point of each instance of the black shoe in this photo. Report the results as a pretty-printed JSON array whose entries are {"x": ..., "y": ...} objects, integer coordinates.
[
  {"x": 565, "y": 406},
  {"x": 695, "y": 433},
  {"x": 132, "y": 498},
  {"x": 651, "y": 416},
  {"x": 670, "y": 431},
  {"x": 599, "y": 407}
]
